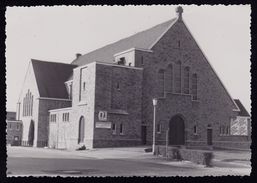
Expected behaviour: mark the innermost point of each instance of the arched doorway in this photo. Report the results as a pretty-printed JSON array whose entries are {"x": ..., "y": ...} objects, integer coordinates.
[
  {"x": 31, "y": 133},
  {"x": 81, "y": 129},
  {"x": 176, "y": 131}
]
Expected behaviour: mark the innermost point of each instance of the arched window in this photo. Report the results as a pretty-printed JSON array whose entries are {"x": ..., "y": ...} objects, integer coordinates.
[
  {"x": 29, "y": 102},
  {"x": 23, "y": 108},
  {"x": 178, "y": 77},
  {"x": 186, "y": 80},
  {"x": 161, "y": 82},
  {"x": 31, "y": 109},
  {"x": 169, "y": 78},
  {"x": 81, "y": 129},
  {"x": 194, "y": 86},
  {"x": 26, "y": 105}
]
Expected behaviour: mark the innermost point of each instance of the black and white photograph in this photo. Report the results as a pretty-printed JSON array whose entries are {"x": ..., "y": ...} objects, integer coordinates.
[{"x": 160, "y": 90}]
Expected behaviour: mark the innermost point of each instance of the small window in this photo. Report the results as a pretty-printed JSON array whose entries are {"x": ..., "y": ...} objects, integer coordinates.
[
  {"x": 159, "y": 128},
  {"x": 68, "y": 116},
  {"x": 227, "y": 130},
  {"x": 195, "y": 129},
  {"x": 10, "y": 126},
  {"x": 179, "y": 44},
  {"x": 223, "y": 130},
  {"x": 121, "y": 129},
  {"x": 18, "y": 127},
  {"x": 114, "y": 128},
  {"x": 118, "y": 86},
  {"x": 84, "y": 86},
  {"x": 142, "y": 60},
  {"x": 53, "y": 118}
]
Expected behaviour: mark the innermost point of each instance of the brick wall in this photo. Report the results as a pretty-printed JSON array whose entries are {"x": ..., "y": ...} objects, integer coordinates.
[
  {"x": 214, "y": 106},
  {"x": 83, "y": 107},
  {"x": 123, "y": 105}
]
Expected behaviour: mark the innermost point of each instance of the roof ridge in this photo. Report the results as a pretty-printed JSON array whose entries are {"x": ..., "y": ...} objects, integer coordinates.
[
  {"x": 145, "y": 30},
  {"x": 127, "y": 38},
  {"x": 51, "y": 62}
]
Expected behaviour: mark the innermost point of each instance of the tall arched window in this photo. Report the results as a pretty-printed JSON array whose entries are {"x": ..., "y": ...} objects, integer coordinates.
[
  {"x": 31, "y": 107},
  {"x": 161, "y": 82},
  {"x": 81, "y": 129},
  {"x": 169, "y": 78},
  {"x": 186, "y": 80},
  {"x": 23, "y": 108},
  {"x": 28, "y": 104},
  {"x": 178, "y": 77},
  {"x": 194, "y": 86}
]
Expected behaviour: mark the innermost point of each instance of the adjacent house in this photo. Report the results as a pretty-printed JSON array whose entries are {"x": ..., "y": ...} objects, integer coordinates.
[{"x": 13, "y": 129}]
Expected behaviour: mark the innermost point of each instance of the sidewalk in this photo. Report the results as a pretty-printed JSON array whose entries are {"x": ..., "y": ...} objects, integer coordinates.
[{"x": 134, "y": 159}]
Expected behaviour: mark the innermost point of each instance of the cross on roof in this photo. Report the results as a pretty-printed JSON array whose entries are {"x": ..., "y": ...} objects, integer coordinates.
[{"x": 179, "y": 11}]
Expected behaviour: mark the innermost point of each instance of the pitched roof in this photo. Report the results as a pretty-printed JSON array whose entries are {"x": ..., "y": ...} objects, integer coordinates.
[
  {"x": 141, "y": 40},
  {"x": 50, "y": 78},
  {"x": 243, "y": 111}
]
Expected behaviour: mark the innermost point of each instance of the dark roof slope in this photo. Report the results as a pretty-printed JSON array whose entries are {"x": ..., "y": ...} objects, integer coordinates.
[
  {"x": 142, "y": 40},
  {"x": 50, "y": 78},
  {"x": 243, "y": 111}
]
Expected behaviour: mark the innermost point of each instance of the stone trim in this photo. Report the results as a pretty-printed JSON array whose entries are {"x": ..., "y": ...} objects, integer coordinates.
[
  {"x": 132, "y": 49},
  {"x": 61, "y": 109},
  {"x": 116, "y": 65},
  {"x": 212, "y": 68},
  {"x": 158, "y": 39},
  {"x": 46, "y": 98}
]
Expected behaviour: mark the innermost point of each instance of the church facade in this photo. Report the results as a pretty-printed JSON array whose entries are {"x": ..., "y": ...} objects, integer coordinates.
[{"x": 105, "y": 98}]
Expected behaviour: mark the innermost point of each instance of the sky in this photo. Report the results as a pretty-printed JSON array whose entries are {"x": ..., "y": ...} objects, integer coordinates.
[{"x": 57, "y": 33}]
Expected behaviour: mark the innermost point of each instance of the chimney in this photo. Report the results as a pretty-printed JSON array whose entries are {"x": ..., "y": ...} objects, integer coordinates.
[
  {"x": 78, "y": 55},
  {"x": 179, "y": 11}
]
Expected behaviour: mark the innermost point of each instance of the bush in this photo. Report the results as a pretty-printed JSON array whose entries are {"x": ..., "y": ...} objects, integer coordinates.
[
  {"x": 208, "y": 156},
  {"x": 197, "y": 156}
]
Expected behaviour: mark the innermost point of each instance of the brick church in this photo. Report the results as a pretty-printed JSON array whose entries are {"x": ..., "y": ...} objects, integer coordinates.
[{"x": 105, "y": 98}]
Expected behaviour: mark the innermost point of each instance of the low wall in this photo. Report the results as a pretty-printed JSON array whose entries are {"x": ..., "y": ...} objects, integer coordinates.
[
  {"x": 175, "y": 153},
  {"x": 232, "y": 145}
]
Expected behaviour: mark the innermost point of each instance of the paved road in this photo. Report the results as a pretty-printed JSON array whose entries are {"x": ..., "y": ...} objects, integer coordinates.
[{"x": 113, "y": 162}]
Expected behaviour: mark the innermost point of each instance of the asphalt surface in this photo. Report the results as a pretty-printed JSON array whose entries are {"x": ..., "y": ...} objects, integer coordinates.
[{"x": 25, "y": 161}]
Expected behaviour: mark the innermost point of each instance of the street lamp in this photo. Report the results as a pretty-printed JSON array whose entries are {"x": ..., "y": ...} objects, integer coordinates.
[{"x": 154, "y": 121}]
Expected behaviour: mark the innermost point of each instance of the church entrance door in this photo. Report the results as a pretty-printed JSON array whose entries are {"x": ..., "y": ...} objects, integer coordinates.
[{"x": 176, "y": 131}]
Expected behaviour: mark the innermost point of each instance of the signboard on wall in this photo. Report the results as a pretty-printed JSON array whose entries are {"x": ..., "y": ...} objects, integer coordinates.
[
  {"x": 239, "y": 126},
  {"x": 102, "y": 116},
  {"x": 103, "y": 124}
]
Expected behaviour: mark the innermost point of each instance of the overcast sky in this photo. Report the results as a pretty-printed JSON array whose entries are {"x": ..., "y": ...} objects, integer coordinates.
[{"x": 58, "y": 33}]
